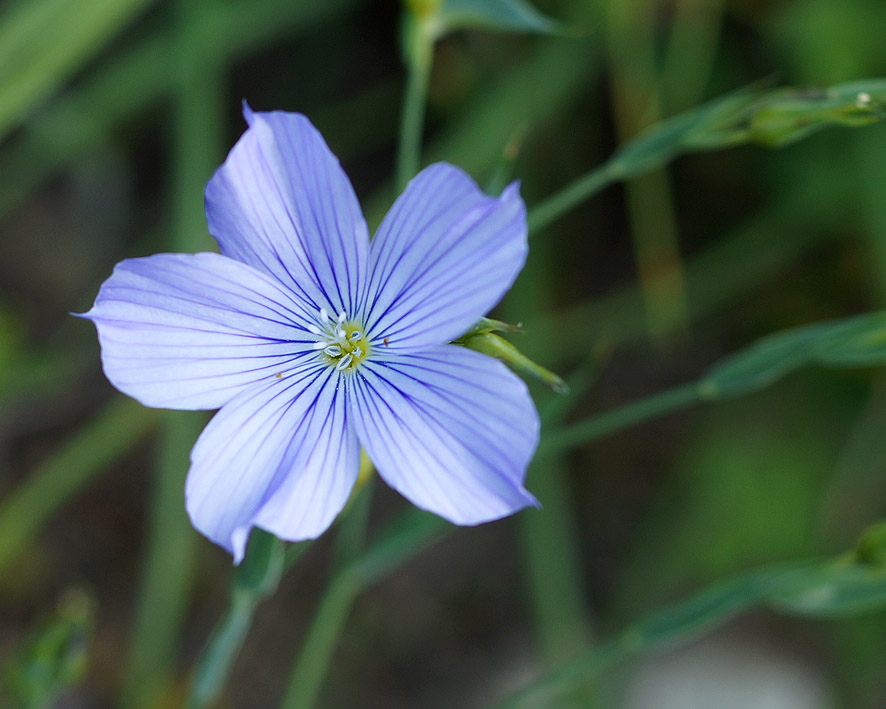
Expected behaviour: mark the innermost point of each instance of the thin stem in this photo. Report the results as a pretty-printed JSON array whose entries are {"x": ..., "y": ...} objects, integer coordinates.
[
  {"x": 221, "y": 650},
  {"x": 637, "y": 103},
  {"x": 571, "y": 196},
  {"x": 419, "y": 54},
  {"x": 312, "y": 662},
  {"x": 256, "y": 578},
  {"x": 664, "y": 402},
  {"x": 172, "y": 544},
  {"x": 168, "y": 566}
]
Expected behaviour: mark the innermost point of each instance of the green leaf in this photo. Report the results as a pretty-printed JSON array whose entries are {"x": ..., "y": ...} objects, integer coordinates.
[
  {"x": 704, "y": 127},
  {"x": 853, "y": 342},
  {"x": 787, "y": 115},
  {"x": 501, "y": 15},
  {"x": 834, "y": 591},
  {"x": 839, "y": 587},
  {"x": 771, "y": 117}
]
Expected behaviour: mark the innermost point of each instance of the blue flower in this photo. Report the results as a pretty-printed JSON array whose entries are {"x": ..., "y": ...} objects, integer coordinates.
[{"x": 314, "y": 341}]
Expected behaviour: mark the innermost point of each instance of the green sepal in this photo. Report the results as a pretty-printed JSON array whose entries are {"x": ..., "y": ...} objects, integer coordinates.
[
  {"x": 495, "y": 346},
  {"x": 486, "y": 325}
]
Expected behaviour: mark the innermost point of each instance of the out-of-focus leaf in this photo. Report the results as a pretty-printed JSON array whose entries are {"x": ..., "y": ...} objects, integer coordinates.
[
  {"x": 835, "y": 591},
  {"x": 840, "y": 587},
  {"x": 77, "y": 121},
  {"x": 54, "y": 658},
  {"x": 771, "y": 117},
  {"x": 502, "y": 15},
  {"x": 695, "y": 129},
  {"x": 43, "y": 41},
  {"x": 853, "y": 342},
  {"x": 788, "y": 115}
]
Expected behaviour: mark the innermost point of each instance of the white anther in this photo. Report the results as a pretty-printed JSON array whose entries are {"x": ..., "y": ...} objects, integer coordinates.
[
  {"x": 344, "y": 362},
  {"x": 342, "y": 317},
  {"x": 357, "y": 352},
  {"x": 333, "y": 351},
  {"x": 355, "y": 336},
  {"x": 324, "y": 316},
  {"x": 340, "y": 332}
]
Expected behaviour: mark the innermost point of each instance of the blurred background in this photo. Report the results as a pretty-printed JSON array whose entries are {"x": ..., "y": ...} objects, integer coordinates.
[{"x": 114, "y": 113}]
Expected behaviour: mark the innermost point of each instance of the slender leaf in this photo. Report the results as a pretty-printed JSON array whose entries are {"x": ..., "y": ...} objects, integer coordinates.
[
  {"x": 851, "y": 342},
  {"x": 833, "y": 588}
]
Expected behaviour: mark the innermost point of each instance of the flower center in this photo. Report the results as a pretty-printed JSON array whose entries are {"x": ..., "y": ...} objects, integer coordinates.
[{"x": 342, "y": 342}]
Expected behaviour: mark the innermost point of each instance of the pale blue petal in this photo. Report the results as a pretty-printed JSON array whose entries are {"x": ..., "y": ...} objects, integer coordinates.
[
  {"x": 190, "y": 331},
  {"x": 450, "y": 429},
  {"x": 282, "y": 457},
  {"x": 443, "y": 257},
  {"x": 282, "y": 203}
]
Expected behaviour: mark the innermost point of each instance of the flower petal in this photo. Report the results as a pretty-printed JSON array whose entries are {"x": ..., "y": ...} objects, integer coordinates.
[
  {"x": 443, "y": 257},
  {"x": 282, "y": 203},
  {"x": 282, "y": 457},
  {"x": 450, "y": 429},
  {"x": 189, "y": 331}
]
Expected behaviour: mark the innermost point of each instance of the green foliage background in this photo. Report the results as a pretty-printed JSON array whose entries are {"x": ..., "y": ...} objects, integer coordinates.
[{"x": 113, "y": 114}]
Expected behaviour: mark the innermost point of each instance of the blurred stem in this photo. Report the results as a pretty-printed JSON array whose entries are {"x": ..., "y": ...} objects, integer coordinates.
[
  {"x": 689, "y": 56},
  {"x": 570, "y": 197},
  {"x": 636, "y": 103},
  {"x": 168, "y": 565},
  {"x": 551, "y": 560},
  {"x": 409, "y": 535},
  {"x": 89, "y": 451},
  {"x": 224, "y": 645},
  {"x": 256, "y": 578},
  {"x": 312, "y": 662},
  {"x": 590, "y": 429},
  {"x": 171, "y": 556},
  {"x": 418, "y": 51}
]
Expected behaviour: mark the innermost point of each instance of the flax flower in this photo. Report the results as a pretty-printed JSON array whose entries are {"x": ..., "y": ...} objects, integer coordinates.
[{"x": 313, "y": 341}]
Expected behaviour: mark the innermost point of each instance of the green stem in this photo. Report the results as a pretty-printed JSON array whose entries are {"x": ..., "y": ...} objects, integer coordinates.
[
  {"x": 664, "y": 402},
  {"x": 172, "y": 546},
  {"x": 256, "y": 578},
  {"x": 326, "y": 628},
  {"x": 167, "y": 570},
  {"x": 312, "y": 662},
  {"x": 408, "y": 536},
  {"x": 221, "y": 651},
  {"x": 419, "y": 54}
]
